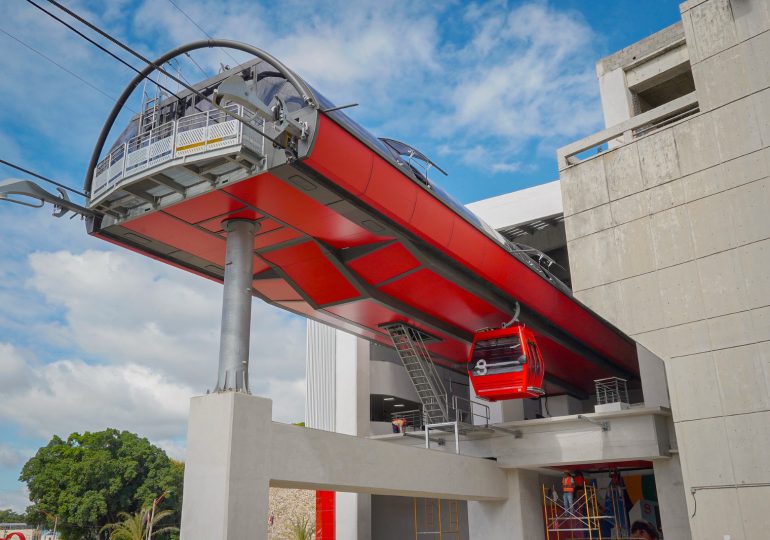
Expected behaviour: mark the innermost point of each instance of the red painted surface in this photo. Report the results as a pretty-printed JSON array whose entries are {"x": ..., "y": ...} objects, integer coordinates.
[
  {"x": 324, "y": 515},
  {"x": 397, "y": 203},
  {"x": 301, "y": 241},
  {"x": 512, "y": 370},
  {"x": 444, "y": 300},
  {"x": 608, "y": 465},
  {"x": 176, "y": 233},
  {"x": 204, "y": 207},
  {"x": 312, "y": 271},
  {"x": 383, "y": 264}
]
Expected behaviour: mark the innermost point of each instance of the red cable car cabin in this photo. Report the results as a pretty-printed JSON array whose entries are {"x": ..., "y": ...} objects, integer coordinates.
[{"x": 505, "y": 363}]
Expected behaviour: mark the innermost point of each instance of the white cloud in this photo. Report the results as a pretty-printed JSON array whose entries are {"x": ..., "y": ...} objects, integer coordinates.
[
  {"x": 123, "y": 308},
  {"x": 140, "y": 337},
  {"x": 519, "y": 81},
  {"x": 511, "y": 76},
  {"x": 64, "y": 396},
  {"x": 15, "y": 499},
  {"x": 9, "y": 456}
]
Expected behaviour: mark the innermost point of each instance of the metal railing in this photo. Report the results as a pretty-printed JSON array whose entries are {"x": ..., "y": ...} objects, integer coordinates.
[
  {"x": 193, "y": 134},
  {"x": 630, "y": 130},
  {"x": 611, "y": 390},
  {"x": 466, "y": 411}
]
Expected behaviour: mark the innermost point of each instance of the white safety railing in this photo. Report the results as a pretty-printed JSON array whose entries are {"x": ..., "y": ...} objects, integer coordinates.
[
  {"x": 467, "y": 410},
  {"x": 193, "y": 134}
]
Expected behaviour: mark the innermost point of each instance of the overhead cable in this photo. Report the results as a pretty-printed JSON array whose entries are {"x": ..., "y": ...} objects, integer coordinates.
[
  {"x": 99, "y": 46},
  {"x": 197, "y": 65},
  {"x": 149, "y": 62},
  {"x": 54, "y": 62},
  {"x": 199, "y": 27},
  {"x": 41, "y": 177}
]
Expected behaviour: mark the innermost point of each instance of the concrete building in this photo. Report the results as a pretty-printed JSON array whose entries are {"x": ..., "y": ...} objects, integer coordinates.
[
  {"x": 674, "y": 221},
  {"x": 661, "y": 224}
]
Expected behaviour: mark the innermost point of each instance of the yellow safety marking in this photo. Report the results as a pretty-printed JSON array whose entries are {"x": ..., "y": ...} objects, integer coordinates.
[{"x": 196, "y": 145}]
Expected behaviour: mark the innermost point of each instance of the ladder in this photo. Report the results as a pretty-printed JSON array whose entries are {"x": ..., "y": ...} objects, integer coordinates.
[{"x": 410, "y": 347}]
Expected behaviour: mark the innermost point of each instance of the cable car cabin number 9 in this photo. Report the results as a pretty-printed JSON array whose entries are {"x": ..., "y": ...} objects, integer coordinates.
[{"x": 505, "y": 363}]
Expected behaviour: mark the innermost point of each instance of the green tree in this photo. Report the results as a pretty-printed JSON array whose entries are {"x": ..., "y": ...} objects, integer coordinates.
[
  {"x": 301, "y": 528},
  {"x": 135, "y": 526},
  {"x": 9, "y": 516},
  {"x": 89, "y": 479}
]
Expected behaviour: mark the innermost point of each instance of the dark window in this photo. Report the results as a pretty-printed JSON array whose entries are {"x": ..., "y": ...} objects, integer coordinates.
[{"x": 499, "y": 355}]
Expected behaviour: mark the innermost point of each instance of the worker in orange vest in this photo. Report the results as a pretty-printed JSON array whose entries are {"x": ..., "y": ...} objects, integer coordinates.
[
  {"x": 580, "y": 485},
  {"x": 568, "y": 489}
]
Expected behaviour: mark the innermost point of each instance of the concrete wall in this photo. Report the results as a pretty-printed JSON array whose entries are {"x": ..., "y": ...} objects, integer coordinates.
[{"x": 669, "y": 239}]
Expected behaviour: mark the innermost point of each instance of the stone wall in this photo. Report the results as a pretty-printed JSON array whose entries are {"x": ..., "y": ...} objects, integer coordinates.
[{"x": 287, "y": 505}]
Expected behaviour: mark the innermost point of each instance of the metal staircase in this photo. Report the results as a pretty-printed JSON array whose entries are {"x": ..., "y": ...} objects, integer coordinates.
[{"x": 410, "y": 347}]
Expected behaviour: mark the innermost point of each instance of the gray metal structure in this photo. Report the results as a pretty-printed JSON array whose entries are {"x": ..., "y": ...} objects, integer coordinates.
[
  {"x": 236, "y": 307},
  {"x": 410, "y": 347}
]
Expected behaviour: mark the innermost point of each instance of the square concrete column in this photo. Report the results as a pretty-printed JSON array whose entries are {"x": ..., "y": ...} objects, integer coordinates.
[
  {"x": 226, "y": 483},
  {"x": 353, "y": 510},
  {"x": 520, "y": 517},
  {"x": 672, "y": 498}
]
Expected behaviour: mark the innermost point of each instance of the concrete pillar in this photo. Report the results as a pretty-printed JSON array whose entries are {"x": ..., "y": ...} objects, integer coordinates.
[
  {"x": 520, "y": 517},
  {"x": 563, "y": 405},
  {"x": 672, "y": 498},
  {"x": 226, "y": 478},
  {"x": 353, "y": 510}
]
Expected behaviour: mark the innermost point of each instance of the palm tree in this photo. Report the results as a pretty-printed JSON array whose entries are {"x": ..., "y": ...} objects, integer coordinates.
[
  {"x": 136, "y": 526},
  {"x": 301, "y": 528}
]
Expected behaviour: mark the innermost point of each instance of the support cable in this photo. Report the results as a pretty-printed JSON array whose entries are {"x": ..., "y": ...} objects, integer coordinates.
[
  {"x": 299, "y": 85},
  {"x": 41, "y": 177},
  {"x": 155, "y": 66},
  {"x": 102, "y": 48},
  {"x": 66, "y": 70},
  {"x": 189, "y": 57},
  {"x": 199, "y": 27}
]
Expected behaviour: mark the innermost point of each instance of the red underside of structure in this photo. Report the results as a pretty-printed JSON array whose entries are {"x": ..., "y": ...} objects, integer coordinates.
[
  {"x": 301, "y": 260},
  {"x": 609, "y": 466}
]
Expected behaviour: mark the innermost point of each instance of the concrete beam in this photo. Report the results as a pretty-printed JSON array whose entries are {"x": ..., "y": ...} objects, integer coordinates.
[
  {"x": 336, "y": 462},
  {"x": 640, "y": 433},
  {"x": 235, "y": 452}
]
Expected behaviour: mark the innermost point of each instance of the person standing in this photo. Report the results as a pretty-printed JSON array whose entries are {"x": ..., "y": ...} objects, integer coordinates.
[
  {"x": 580, "y": 485},
  {"x": 568, "y": 489}
]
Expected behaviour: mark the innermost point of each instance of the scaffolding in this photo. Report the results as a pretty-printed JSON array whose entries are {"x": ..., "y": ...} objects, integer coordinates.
[
  {"x": 581, "y": 520},
  {"x": 436, "y": 519}
]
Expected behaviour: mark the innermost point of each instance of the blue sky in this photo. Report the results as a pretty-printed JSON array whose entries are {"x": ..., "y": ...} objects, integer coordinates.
[{"x": 94, "y": 337}]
